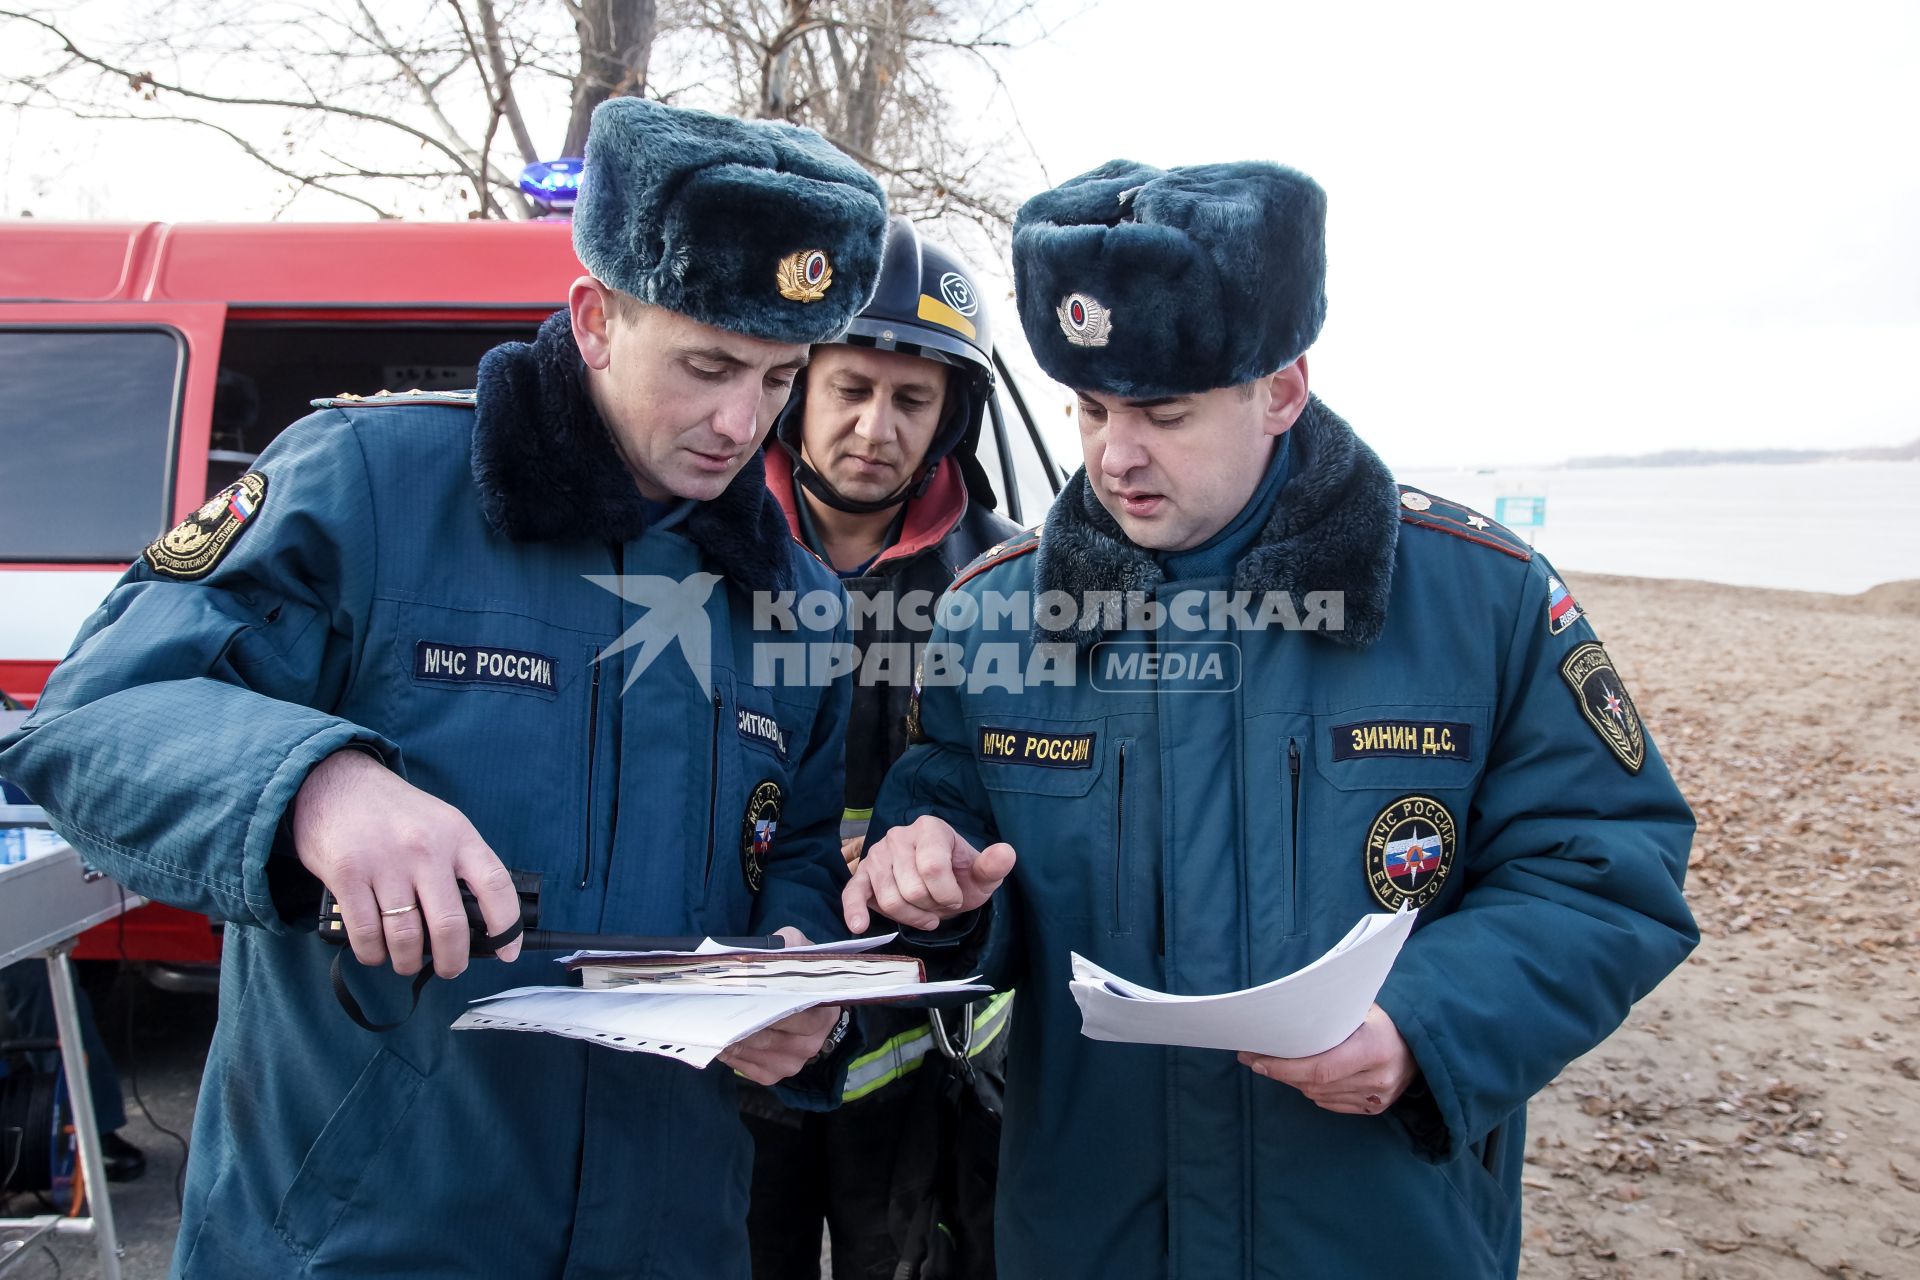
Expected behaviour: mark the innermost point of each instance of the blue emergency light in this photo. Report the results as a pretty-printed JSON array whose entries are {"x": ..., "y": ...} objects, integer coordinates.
[{"x": 554, "y": 183}]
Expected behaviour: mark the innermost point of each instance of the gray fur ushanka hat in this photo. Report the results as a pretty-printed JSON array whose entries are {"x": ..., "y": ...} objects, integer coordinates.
[
  {"x": 756, "y": 227},
  {"x": 1144, "y": 282}
]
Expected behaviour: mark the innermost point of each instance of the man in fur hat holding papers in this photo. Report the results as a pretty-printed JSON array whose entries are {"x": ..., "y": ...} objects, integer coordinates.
[
  {"x": 1260, "y": 692},
  {"x": 427, "y": 641}
]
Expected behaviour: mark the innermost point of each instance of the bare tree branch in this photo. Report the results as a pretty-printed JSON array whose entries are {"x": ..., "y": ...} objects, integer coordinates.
[
  {"x": 616, "y": 42},
  {"x": 146, "y": 83},
  {"x": 368, "y": 95},
  {"x": 348, "y": 169},
  {"x": 411, "y": 74},
  {"x": 496, "y": 61},
  {"x": 314, "y": 181}
]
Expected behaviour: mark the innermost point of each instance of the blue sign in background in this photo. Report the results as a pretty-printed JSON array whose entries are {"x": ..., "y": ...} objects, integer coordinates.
[{"x": 1520, "y": 513}]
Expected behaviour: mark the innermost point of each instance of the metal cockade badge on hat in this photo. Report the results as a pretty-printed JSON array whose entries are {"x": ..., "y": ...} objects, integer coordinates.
[
  {"x": 804, "y": 275},
  {"x": 1085, "y": 322}
]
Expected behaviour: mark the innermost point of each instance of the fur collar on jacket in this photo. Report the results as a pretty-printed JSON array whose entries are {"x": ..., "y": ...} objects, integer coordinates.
[
  {"x": 547, "y": 468},
  {"x": 1333, "y": 528}
]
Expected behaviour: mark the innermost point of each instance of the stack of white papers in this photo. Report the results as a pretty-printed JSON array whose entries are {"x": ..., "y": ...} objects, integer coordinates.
[
  {"x": 1307, "y": 1012},
  {"x": 684, "y": 1021}
]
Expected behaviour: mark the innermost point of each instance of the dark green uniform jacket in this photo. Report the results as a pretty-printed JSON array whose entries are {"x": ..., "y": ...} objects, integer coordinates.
[{"x": 1449, "y": 735}]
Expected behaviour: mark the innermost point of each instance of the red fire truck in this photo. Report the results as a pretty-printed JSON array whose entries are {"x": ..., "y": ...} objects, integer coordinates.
[{"x": 144, "y": 366}]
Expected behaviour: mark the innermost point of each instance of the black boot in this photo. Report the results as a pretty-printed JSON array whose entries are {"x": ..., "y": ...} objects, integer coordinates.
[{"x": 124, "y": 1161}]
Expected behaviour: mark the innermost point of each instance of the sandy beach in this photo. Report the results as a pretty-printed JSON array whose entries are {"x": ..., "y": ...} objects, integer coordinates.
[{"x": 1757, "y": 1114}]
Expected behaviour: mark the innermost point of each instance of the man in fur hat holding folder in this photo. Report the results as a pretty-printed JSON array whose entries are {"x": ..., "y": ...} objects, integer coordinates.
[{"x": 1283, "y": 692}]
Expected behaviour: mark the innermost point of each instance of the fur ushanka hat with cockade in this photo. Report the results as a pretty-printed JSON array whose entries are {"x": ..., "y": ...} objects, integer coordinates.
[
  {"x": 756, "y": 227},
  {"x": 1144, "y": 282}
]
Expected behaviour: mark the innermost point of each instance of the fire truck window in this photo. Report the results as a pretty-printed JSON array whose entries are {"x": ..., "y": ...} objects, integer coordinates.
[
  {"x": 271, "y": 370},
  {"x": 988, "y": 452},
  {"x": 1036, "y": 486},
  {"x": 86, "y": 421},
  {"x": 1030, "y": 473}
]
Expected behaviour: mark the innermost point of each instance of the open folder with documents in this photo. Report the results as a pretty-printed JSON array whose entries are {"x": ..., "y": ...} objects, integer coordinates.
[
  {"x": 690, "y": 1005},
  {"x": 1307, "y": 1012},
  {"x": 768, "y": 970}
]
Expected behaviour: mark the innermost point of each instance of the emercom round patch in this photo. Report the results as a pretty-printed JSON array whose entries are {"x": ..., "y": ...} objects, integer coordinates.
[
  {"x": 1409, "y": 852},
  {"x": 757, "y": 830},
  {"x": 195, "y": 547}
]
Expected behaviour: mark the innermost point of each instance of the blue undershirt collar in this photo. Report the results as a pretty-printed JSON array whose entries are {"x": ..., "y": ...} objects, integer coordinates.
[
  {"x": 810, "y": 534},
  {"x": 1218, "y": 555}
]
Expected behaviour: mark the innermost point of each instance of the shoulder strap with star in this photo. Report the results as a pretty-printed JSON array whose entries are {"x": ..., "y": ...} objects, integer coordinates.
[
  {"x": 382, "y": 399},
  {"x": 1027, "y": 540},
  {"x": 1428, "y": 511}
]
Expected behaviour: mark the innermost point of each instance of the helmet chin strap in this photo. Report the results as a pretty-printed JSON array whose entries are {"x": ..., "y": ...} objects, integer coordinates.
[
  {"x": 786, "y": 433},
  {"x": 816, "y": 484}
]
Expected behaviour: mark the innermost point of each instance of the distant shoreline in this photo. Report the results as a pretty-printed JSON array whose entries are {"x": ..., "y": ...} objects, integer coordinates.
[
  {"x": 1821, "y": 526},
  {"x": 1901, "y": 597},
  {"x": 1908, "y": 452}
]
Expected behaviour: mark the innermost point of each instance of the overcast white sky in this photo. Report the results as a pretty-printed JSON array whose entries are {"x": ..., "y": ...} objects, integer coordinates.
[
  {"x": 1552, "y": 232},
  {"x": 1556, "y": 230}
]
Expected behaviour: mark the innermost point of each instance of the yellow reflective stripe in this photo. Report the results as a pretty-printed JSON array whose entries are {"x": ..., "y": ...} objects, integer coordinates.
[
  {"x": 873, "y": 1071},
  {"x": 854, "y": 824},
  {"x": 890, "y": 1061},
  {"x": 890, "y": 1049},
  {"x": 992, "y": 1020},
  {"x": 880, "y": 1082}
]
